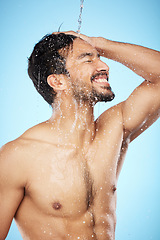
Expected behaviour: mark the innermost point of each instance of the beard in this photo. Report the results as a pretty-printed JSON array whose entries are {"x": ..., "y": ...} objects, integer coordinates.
[{"x": 82, "y": 94}]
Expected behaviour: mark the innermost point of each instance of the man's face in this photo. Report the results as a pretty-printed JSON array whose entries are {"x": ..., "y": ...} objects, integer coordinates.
[{"x": 88, "y": 74}]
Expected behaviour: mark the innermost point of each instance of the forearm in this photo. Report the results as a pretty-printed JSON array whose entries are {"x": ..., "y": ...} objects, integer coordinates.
[{"x": 143, "y": 61}]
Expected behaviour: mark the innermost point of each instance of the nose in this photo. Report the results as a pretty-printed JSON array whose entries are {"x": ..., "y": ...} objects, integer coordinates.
[{"x": 102, "y": 66}]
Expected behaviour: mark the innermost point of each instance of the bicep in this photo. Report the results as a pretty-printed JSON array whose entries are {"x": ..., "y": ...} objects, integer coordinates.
[
  {"x": 141, "y": 109},
  {"x": 10, "y": 199},
  {"x": 11, "y": 188}
]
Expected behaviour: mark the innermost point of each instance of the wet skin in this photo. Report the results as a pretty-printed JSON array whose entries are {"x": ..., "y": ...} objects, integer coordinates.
[
  {"x": 71, "y": 190},
  {"x": 70, "y": 195},
  {"x": 62, "y": 176}
]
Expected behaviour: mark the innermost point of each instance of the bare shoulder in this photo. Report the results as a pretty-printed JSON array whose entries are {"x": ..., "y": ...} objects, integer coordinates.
[
  {"x": 110, "y": 116},
  {"x": 14, "y": 151},
  {"x": 11, "y": 164},
  {"x": 13, "y": 181},
  {"x": 9, "y": 153},
  {"x": 15, "y": 155}
]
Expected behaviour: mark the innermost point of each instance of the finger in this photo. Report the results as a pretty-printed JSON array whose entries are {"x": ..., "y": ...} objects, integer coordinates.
[{"x": 68, "y": 32}]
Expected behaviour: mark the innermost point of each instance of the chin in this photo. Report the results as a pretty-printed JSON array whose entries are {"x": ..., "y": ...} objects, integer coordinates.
[{"x": 103, "y": 97}]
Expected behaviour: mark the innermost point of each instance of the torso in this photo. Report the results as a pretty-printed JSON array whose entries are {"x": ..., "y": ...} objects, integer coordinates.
[{"x": 71, "y": 195}]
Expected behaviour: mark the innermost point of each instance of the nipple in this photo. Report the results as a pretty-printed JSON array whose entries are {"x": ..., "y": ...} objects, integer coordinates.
[
  {"x": 114, "y": 188},
  {"x": 56, "y": 205}
]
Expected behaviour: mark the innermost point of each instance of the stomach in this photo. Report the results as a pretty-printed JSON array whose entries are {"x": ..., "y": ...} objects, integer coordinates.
[
  {"x": 39, "y": 226},
  {"x": 42, "y": 227}
]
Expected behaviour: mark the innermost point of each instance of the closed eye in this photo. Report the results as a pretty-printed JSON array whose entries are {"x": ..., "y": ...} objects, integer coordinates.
[{"x": 88, "y": 61}]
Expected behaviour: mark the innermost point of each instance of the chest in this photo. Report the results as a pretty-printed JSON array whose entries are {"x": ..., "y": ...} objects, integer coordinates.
[
  {"x": 65, "y": 182},
  {"x": 59, "y": 182}
]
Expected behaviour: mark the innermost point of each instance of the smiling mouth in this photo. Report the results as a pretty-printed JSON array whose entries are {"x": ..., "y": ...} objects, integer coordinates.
[{"x": 101, "y": 79}]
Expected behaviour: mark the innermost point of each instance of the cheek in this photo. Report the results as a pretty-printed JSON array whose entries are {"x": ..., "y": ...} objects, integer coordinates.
[{"x": 82, "y": 72}]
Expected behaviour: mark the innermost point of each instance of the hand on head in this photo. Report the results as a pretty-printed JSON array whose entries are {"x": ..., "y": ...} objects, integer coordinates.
[{"x": 90, "y": 40}]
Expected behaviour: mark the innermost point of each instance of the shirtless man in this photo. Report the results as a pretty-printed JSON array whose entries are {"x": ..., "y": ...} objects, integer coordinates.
[{"x": 58, "y": 180}]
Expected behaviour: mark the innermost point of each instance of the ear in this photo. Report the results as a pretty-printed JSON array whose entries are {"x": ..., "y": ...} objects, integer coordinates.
[{"x": 57, "y": 82}]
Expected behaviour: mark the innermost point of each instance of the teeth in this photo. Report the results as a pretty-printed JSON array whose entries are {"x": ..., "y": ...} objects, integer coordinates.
[{"x": 101, "y": 80}]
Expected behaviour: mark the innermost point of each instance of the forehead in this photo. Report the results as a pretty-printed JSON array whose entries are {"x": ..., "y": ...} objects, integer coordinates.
[{"x": 81, "y": 47}]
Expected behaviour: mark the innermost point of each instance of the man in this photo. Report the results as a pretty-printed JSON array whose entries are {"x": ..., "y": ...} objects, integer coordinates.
[{"x": 58, "y": 180}]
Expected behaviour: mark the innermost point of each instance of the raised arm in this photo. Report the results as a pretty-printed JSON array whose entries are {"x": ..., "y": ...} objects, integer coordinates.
[
  {"x": 143, "y": 61},
  {"x": 142, "y": 107},
  {"x": 11, "y": 187}
]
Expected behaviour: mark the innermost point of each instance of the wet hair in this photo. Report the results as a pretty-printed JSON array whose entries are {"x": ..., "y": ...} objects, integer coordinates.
[{"x": 49, "y": 57}]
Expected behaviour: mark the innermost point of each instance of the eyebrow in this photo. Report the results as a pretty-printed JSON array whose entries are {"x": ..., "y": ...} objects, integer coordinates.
[{"x": 83, "y": 55}]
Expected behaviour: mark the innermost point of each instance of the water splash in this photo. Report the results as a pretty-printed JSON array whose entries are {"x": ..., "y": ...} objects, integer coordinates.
[
  {"x": 39, "y": 79},
  {"x": 80, "y": 16},
  {"x": 76, "y": 116}
]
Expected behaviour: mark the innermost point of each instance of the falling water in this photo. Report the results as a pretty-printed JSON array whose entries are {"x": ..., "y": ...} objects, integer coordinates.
[
  {"x": 80, "y": 16},
  {"x": 39, "y": 79},
  {"x": 38, "y": 88}
]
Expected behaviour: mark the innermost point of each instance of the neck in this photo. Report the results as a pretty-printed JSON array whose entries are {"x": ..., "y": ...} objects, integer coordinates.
[{"x": 73, "y": 121}]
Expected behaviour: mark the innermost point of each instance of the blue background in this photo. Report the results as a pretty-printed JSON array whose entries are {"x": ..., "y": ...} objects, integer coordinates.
[{"x": 23, "y": 23}]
